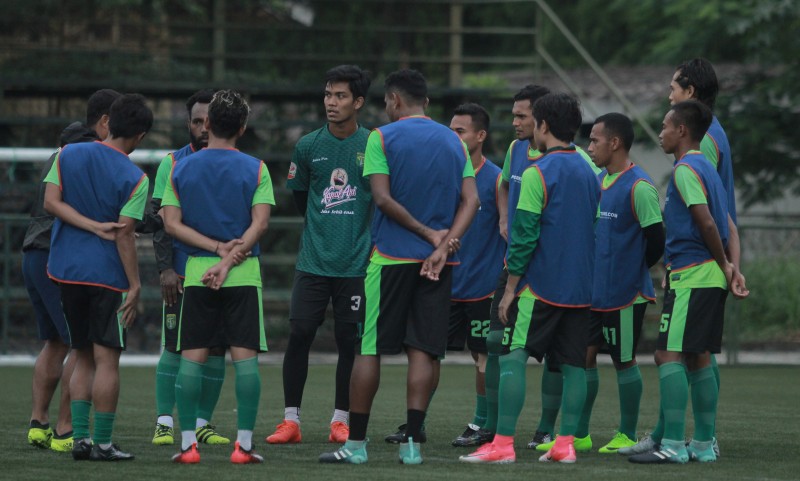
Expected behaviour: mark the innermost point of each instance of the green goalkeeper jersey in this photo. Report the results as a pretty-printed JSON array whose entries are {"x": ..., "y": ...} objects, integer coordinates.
[{"x": 336, "y": 238}]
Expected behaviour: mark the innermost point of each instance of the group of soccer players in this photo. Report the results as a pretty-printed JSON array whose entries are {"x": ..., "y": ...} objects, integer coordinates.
[{"x": 547, "y": 258}]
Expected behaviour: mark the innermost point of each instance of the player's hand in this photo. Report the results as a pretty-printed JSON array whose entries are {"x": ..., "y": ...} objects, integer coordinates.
[
  {"x": 171, "y": 286},
  {"x": 128, "y": 308},
  {"x": 737, "y": 285},
  {"x": 434, "y": 264},
  {"x": 453, "y": 245},
  {"x": 435, "y": 237},
  {"x": 225, "y": 248},
  {"x": 215, "y": 276},
  {"x": 504, "y": 306},
  {"x": 108, "y": 230}
]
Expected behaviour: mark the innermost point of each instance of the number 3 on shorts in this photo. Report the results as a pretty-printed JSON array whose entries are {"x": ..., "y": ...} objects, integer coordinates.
[{"x": 356, "y": 303}]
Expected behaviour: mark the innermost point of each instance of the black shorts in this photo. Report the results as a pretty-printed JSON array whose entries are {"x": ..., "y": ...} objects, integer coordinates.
[
  {"x": 92, "y": 317},
  {"x": 618, "y": 331},
  {"x": 404, "y": 309},
  {"x": 311, "y": 294},
  {"x": 45, "y": 297},
  {"x": 692, "y": 320},
  {"x": 469, "y": 322},
  {"x": 495, "y": 324},
  {"x": 169, "y": 327},
  {"x": 236, "y": 312},
  {"x": 542, "y": 329}
]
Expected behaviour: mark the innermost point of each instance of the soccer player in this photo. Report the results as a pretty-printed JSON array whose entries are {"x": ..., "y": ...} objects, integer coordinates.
[
  {"x": 45, "y": 296},
  {"x": 696, "y": 80},
  {"x": 550, "y": 264},
  {"x": 171, "y": 264},
  {"x": 97, "y": 194},
  {"x": 216, "y": 207},
  {"x": 629, "y": 239},
  {"x": 326, "y": 176},
  {"x": 481, "y": 254},
  {"x": 700, "y": 275},
  {"x": 424, "y": 189},
  {"x": 521, "y": 154}
]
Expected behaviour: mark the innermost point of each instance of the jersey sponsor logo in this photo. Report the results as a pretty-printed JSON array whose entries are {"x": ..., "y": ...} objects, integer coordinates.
[
  {"x": 340, "y": 191},
  {"x": 608, "y": 215},
  {"x": 360, "y": 159},
  {"x": 517, "y": 178},
  {"x": 318, "y": 159},
  {"x": 292, "y": 170}
]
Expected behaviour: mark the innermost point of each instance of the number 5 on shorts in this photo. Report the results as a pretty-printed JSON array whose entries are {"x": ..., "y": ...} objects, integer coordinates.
[{"x": 664, "y": 323}]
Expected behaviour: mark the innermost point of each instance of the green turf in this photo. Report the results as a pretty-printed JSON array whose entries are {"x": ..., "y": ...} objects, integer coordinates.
[{"x": 757, "y": 430}]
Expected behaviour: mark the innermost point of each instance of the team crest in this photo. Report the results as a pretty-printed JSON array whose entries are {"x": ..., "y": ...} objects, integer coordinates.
[
  {"x": 171, "y": 321},
  {"x": 360, "y": 159},
  {"x": 292, "y": 170}
]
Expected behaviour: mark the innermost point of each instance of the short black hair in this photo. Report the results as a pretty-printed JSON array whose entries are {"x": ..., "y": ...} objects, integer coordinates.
[
  {"x": 695, "y": 115},
  {"x": 200, "y": 97},
  {"x": 532, "y": 93},
  {"x": 617, "y": 125},
  {"x": 357, "y": 79},
  {"x": 479, "y": 115},
  {"x": 227, "y": 113},
  {"x": 562, "y": 112},
  {"x": 699, "y": 73},
  {"x": 129, "y": 116},
  {"x": 408, "y": 83},
  {"x": 99, "y": 104}
]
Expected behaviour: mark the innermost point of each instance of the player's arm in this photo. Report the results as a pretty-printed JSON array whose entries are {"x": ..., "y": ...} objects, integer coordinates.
[
  {"x": 54, "y": 205},
  {"x": 502, "y": 193},
  {"x": 126, "y": 247},
  {"x": 263, "y": 200},
  {"x": 502, "y": 207},
  {"x": 733, "y": 250},
  {"x": 299, "y": 177},
  {"x": 382, "y": 196},
  {"x": 301, "y": 201},
  {"x": 152, "y": 222},
  {"x": 470, "y": 202},
  {"x": 648, "y": 212},
  {"x": 691, "y": 190},
  {"x": 174, "y": 226},
  {"x": 525, "y": 231},
  {"x": 132, "y": 211}
]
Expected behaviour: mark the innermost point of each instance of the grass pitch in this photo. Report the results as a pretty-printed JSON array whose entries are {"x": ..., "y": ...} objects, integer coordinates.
[{"x": 757, "y": 429}]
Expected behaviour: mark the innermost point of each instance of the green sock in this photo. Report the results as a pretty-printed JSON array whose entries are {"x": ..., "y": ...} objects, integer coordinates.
[
  {"x": 715, "y": 367},
  {"x": 512, "y": 391},
  {"x": 80, "y": 418},
  {"x": 629, "y": 384},
  {"x": 493, "y": 346},
  {"x": 248, "y": 392},
  {"x": 103, "y": 427},
  {"x": 592, "y": 385},
  {"x": 213, "y": 377},
  {"x": 187, "y": 390},
  {"x": 573, "y": 399},
  {"x": 166, "y": 373},
  {"x": 704, "y": 402},
  {"x": 552, "y": 387},
  {"x": 674, "y": 397},
  {"x": 480, "y": 410}
]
